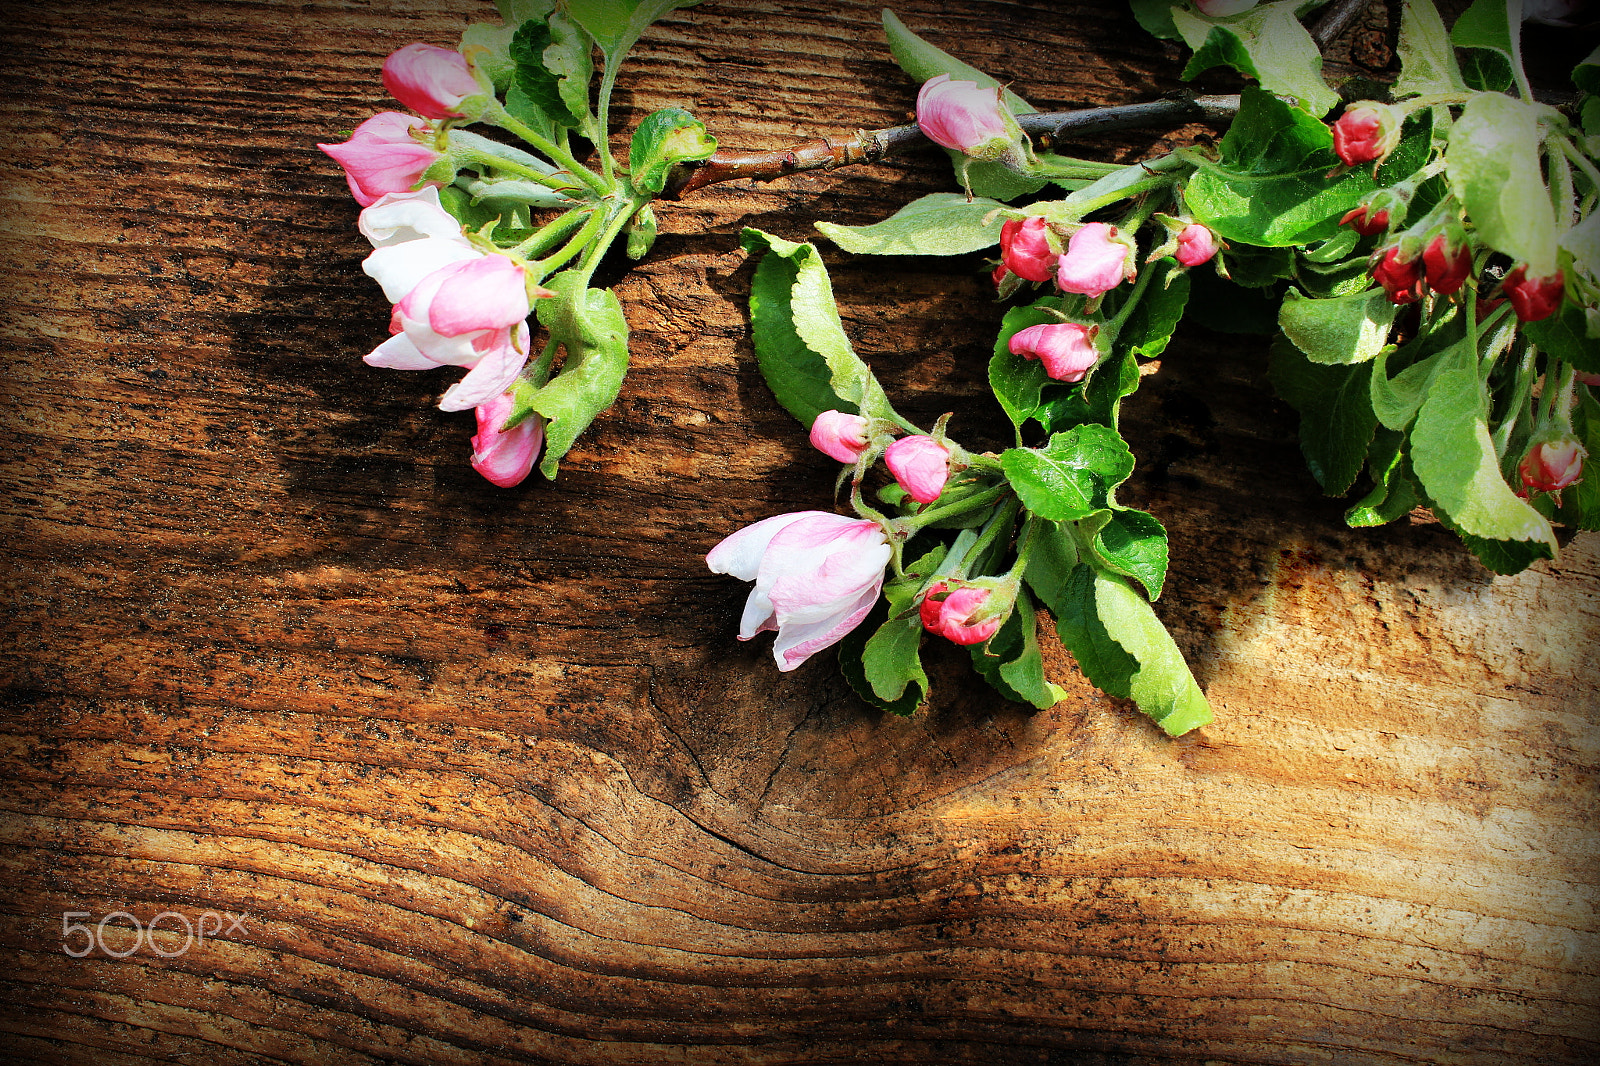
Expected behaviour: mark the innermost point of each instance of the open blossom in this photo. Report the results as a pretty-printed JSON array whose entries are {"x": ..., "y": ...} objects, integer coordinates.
[
  {"x": 964, "y": 117},
  {"x": 412, "y": 235},
  {"x": 1367, "y": 131},
  {"x": 382, "y": 156},
  {"x": 1095, "y": 261},
  {"x": 950, "y": 614},
  {"x": 1196, "y": 245},
  {"x": 1065, "y": 348},
  {"x": 430, "y": 80},
  {"x": 921, "y": 466},
  {"x": 1025, "y": 248},
  {"x": 839, "y": 435},
  {"x": 816, "y": 576},
  {"x": 1553, "y": 463},
  {"x": 1534, "y": 299},
  {"x": 505, "y": 456}
]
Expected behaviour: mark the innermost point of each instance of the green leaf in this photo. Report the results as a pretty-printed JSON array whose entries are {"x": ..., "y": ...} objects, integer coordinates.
[
  {"x": 616, "y": 25},
  {"x": 1493, "y": 160},
  {"x": 814, "y": 324},
  {"x": 1345, "y": 329},
  {"x": 1017, "y": 382},
  {"x": 1586, "y": 75},
  {"x": 1272, "y": 187},
  {"x": 1010, "y": 660},
  {"x": 1565, "y": 335},
  {"x": 1051, "y": 560},
  {"x": 1156, "y": 18},
  {"x": 1486, "y": 71},
  {"x": 493, "y": 55},
  {"x": 890, "y": 661},
  {"x": 1102, "y": 660},
  {"x": 1267, "y": 43},
  {"x": 536, "y": 86},
  {"x": 1134, "y": 544},
  {"x": 662, "y": 141},
  {"x": 941, "y": 223},
  {"x": 852, "y": 648},
  {"x": 1395, "y": 401},
  {"x": 590, "y": 326},
  {"x": 1071, "y": 477},
  {"x": 570, "y": 59},
  {"x": 799, "y": 377},
  {"x": 1455, "y": 461},
  {"x": 1151, "y": 325},
  {"x": 1336, "y": 419},
  {"x": 1162, "y": 685},
  {"x": 1394, "y": 491},
  {"x": 1257, "y": 268},
  {"x": 1098, "y": 399},
  {"x": 1490, "y": 26},
  {"x": 1427, "y": 62}
]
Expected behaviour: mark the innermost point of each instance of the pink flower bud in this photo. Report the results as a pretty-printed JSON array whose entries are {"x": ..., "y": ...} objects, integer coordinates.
[
  {"x": 1365, "y": 221},
  {"x": 1365, "y": 132},
  {"x": 1025, "y": 248},
  {"x": 1585, "y": 378},
  {"x": 961, "y": 116},
  {"x": 1400, "y": 278},
  {"x": 1065, "y": 348},
  {"x": 1446, "y": 262},
  {"x": 431, "y": 81},
  {"x": 505, "y": 457},
  {"x": 921, "y": 465},
  {"x": 1196, "y": 245},
  {"x": 382, "y": 157},
  {"x": 839, "y": 436},
  {"x": 1095, "y": 262},
  {"x": 950, "y": 614},
  {"x": 1553, "y": 463},
  {"x": 1223, "y": 8},
  {"x": 1534, "y": 299},
  {"x": 817, "y": 576}
]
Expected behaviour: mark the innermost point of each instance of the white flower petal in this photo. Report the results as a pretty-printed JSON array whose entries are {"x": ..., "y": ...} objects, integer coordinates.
[{"x": 739, "y": 554}]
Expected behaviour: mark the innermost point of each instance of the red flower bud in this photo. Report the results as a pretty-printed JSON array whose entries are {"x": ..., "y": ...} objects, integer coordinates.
[
  {"x": 1400, "y": 278},
  {"x": 1196, "y": 245},
  {"x": 1552, "y": 463},
  {"x": 1025, "y": 248},
  {"x": 1366, "y": 221},
  {"x": 1446, "y": 268},
  {"x": 1365, "y": 132},
  {"x": 949, "y": 613},
  {"x": 1534, "y": 298}
]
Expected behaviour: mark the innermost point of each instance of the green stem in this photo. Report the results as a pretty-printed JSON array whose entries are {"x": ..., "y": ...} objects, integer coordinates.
[
  {"x": 976, "y": 502},
  {"x": 478, "y": 160},
  {"x": 496, "y": 115},
  {"x": 550, "y": 232},
  {"x": 543, "y": 268},
  {"x": 622, "y": 210},
  {"x": 539, "y": 372},
  {"x": 1124, "y": 184},
  {"x": 1578, "y": 160},
  {"x": 1001, "y": 520}
]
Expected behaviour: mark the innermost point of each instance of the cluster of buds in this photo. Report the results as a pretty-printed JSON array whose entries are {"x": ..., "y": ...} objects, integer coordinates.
[
  {"x": 921, "y": 464},
  {"x": 1432, "y": 255}
]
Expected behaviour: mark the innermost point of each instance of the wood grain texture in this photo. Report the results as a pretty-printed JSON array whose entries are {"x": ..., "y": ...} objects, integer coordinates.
[{"x": 486, "y": 772}]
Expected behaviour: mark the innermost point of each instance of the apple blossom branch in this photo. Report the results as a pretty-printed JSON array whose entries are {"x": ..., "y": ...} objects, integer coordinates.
[{"x": 867, "y": 146}]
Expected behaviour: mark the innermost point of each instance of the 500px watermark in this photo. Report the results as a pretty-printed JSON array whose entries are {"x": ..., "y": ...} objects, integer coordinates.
[{"x": 209, "y": 924}]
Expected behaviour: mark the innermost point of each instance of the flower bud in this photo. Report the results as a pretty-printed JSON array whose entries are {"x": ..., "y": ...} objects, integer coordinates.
[
  {"x": 840, "y": 436},
  {"x": 950, "y": 613},
  {"x": 1367, "y": 131},
  {"x": 1095, "y": 261},
  {"x": 506, "y": 456},
  {"x": 431, "y": 81},
  {"x": 1534, "y": 299},
  {"x": 1025, "y": 248},
  {"x": 1400, "y": 277},
  {"x": 1196, "y": 245},
  {"x": 921, "y": 465},
  {"x": 1366, "y": 221},
  {"x": 966, "y": 118},
  {"x": 1552, "y": 463},
  {"x": 1447, "y": 260},
  {"x": 382, "y": 156},
  {"x": 1065, "y": 348}
]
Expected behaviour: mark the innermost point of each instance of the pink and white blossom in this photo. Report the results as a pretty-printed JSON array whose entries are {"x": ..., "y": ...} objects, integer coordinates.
[
  {"x": 412, "y": 236},
  {"x": 505, "y": 456},
  {"x": 957, "y": 614},
  {"x": 964, "y": 117},
  {"x": 382, "y": 156},
  {"x": 1196, "y": 245},
  {"x": 839, "y": 435},
  {"x": 1095, "y": 261},
  {"x": 430, "y": 80},
  {"x": 816, "y": 577},
  {"x": 1065, "y": 348},
  {"x": 1553, "y": 463},
  {"x": 921, "y": 466}
]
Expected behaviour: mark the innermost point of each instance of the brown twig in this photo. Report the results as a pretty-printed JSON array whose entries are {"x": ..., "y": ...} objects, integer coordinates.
[
  {"x": 828, "y": 153},
  {"x": 1335, "y": 19}
]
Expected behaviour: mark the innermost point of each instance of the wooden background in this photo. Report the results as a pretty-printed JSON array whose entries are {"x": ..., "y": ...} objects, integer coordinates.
[{"x": 484, "y": 776}]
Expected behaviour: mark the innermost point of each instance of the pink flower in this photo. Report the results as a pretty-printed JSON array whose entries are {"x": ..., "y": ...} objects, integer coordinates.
[
  {"x": 839, "y": 436},
  {"x": 1223, "y": 8},
  {"x": 1534, "y": 299},
  {"x": 1025, "y": 248},
  {"x": 1095, "y": 262},
  {"x": 505, "y": 456},
  {"x": 921, "y": 465},
  {"x": 817, "y": 575},
  {"x": 951, "y": 614},
  {"x": 1365, "y": 132},
  {"x": 1196, "y": 245},
  {"x": 1553, "y": 463},
  {"x": 412, "y": 236},
  {"x": 431, "y": 81},
  {"x": 1401, "y": 278},
  {"x": 1446, "y": 261},
  {"x": 382, "y": 157},
  {"x": 961, "y": 116},
  {"x": 1066, "y": 349}
]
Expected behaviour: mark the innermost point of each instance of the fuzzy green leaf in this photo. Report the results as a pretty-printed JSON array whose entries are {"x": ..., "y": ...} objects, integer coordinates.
[
  {"x": 536, "y": 86},
  {"x": 616, "y": 25},
  {"x": 1336, "y": 419},
  {"x": 1071, "y": 477},
  {"x": 1151, "y": 325},
  {"x": 1565, "y": 335},
  {"x": 1134, "y": 544},
  {"x": 1427, "y": 62},
  {"x": 1267, "y": 43},
  {"x": 1494, "y": 171},
  {"x": 940, "y": 223},
  {"x": 1162, "y": 685},
  {"x": 1010, "y": 660},
  {"x": 662, "y": 141},
  {"x": 590, "y": 327},
  {"x": 1345, "y": 329}
]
